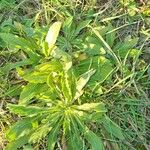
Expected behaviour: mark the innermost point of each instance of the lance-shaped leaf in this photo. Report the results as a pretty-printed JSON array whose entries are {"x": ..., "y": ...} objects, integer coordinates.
[
  {"x": 75, "y": 136},
  {"x": 52, "y": 137},
  {"x": 90, "y": 107},
  {"x": 94, "y": 140},
  {"x": 69, "y": 27},
  {"x": 10, "y": 66},
  {"x": 68, "y": 85},
  {"x": 91, "y": 112},
  {"x": 52, "y": 35},
  {"x": 33, "y": 76},
  {"x": 21, "y": 128},
  {"x": 40, "y": 132},
  {"x": 29, "y": 91},
  {"x": 53, "y": 65},
  {"x": 124, "y": 47},
  {"x": 81, "y": 26},
  {"x": 64, "y": 58},
  {"x": 83, "y": 80},
  {"x": 102, "y": 66},
  {"x": 110, "y": 36},
  {"x": 112, "y": 128},
  {"x": 21, "y": 43},
  {"x": 53, "y": 83},
  {"x": 25, "y": 111},
  {"x": 93, "y": 47},
  {"x": 14, "y": 145},
  {"x": 40, "y": 72}
]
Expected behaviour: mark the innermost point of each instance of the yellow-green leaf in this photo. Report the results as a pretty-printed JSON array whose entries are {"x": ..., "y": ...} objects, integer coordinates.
[
  {"x": 83, "y": 80},
  {"x": 52, "y": 34}
]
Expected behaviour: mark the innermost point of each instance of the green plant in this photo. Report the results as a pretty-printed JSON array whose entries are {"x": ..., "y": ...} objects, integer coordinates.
[
  {"x": 51, "y": 103},
  {"x": 117, "y": 52}
]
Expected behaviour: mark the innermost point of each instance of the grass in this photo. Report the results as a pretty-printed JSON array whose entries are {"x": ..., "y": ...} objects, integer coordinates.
[{"x": 126, "y": 90}]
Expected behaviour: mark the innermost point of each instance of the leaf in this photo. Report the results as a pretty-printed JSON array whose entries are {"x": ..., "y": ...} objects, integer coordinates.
[
  {"x": 104, "y": 70},
  {"x": 69, "y": 28},
  {"x": 66, "y": 88},
  {"x": 101, "y": 39},
  {"x": 91, "y": 112},
  {"x": 25, "y": 111},
  {"x": 21, "y": 43},
  {"x": 28, "y": 92},
  {"x": 53, "y": 83},
  {"x": 112, "y": 128},
  {"x": 48, "y": 123},
  {"x": 28, "y": 147},
  {"x": 102, "y": 66},
  {"x": 47, "y": 94},
  {"x": 52, "y": 137},
  {"x": 81, "y": 26},
  {"x": 123, "y": 47},
  {"x": 52, "y": 34},
  {"x": 41, "y": 72},
  {"x": 64, "y": 58},
  {"x": 75, "y": 142},
  {"x": 94, "y": 140},
  {"x": 14, "y": 40},
  {"x": 103, "y": 30},
  {"x": 39, "y": 133},
  {"x": 83, "y": 80},
  {"x": 68, "y": 84},
  {"x": 10, "y": 66},
  {"x": 74, "y": 136},
  {"x": 66, "y": 124},
  {"x": 21, "y": 128},
  {"x": 48, "y": 67},
  {"x": 110, "y": 37},
  {"x": 93, "y": 47},
  {"x": 14, "y": 145},
  {"x": 90, "y": 107},
  {"x": 35, "y": 77},
  {"x": 13, "y": 91},
  {"x": 106, "y": 46}
]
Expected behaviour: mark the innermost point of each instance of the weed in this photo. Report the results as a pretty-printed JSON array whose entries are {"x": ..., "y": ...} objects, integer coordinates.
[
  {"x": 50, "y": 102},
  {"x": 82, "y": 84}
]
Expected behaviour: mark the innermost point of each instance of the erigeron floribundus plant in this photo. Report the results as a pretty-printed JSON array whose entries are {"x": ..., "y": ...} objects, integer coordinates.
[{"x": 51, "y": 107}]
